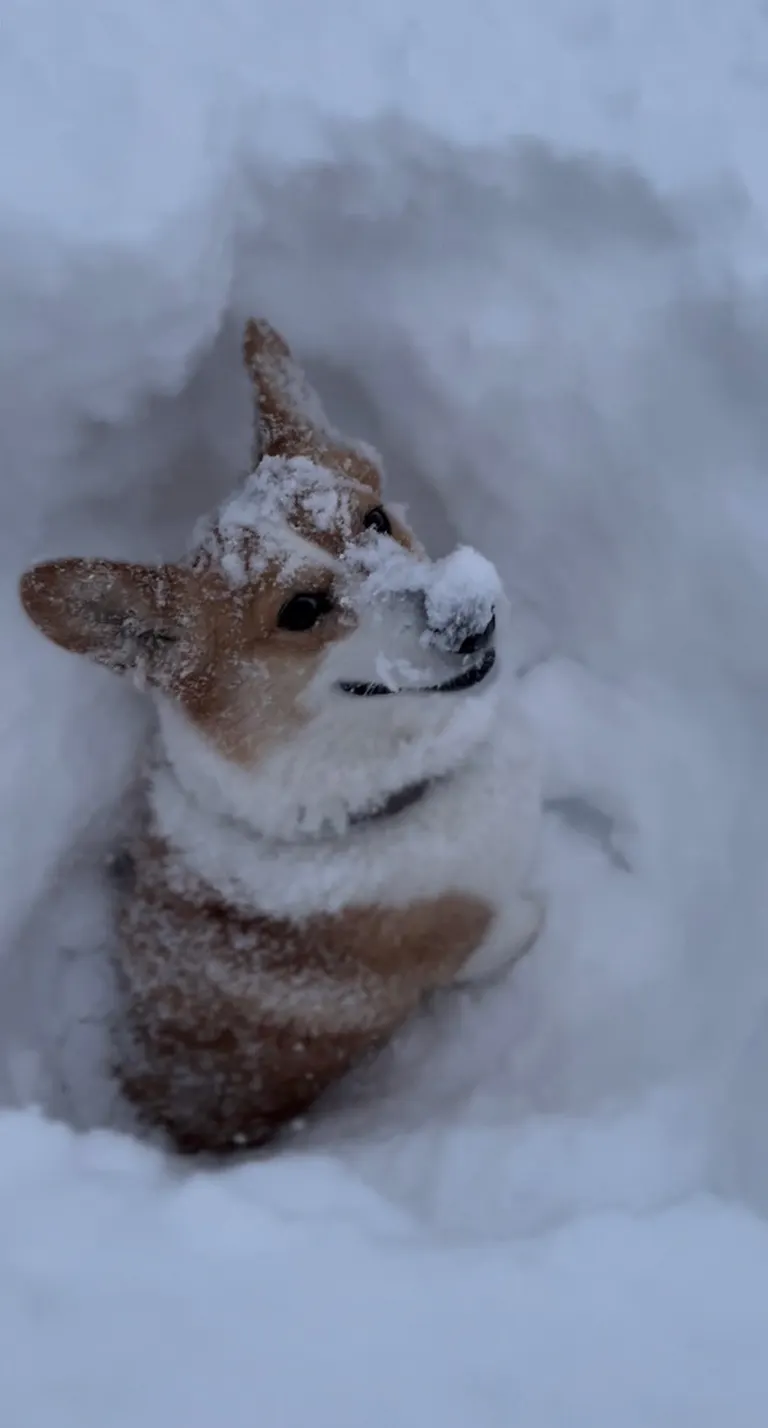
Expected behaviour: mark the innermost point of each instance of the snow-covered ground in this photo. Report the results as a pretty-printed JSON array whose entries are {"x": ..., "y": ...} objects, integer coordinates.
[{"x": 523, "y": 248}]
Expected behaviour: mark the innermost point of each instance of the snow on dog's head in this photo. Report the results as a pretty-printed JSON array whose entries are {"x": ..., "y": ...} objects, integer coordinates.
[{"x": 306, "y": 630}]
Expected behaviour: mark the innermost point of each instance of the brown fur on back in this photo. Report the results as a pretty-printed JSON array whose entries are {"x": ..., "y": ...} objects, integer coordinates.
[{"x": 236, "y": 1023}]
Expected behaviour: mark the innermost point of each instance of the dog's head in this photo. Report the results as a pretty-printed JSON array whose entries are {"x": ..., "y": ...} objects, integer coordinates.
[{"x": 306, "y": 632}]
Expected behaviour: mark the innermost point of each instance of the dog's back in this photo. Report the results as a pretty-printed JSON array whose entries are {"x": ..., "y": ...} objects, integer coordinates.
[{"x": 234, "y": 1022}]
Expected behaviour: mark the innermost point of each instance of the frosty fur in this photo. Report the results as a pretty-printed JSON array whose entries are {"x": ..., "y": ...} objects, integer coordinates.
[{"x": 329, "y": 829}]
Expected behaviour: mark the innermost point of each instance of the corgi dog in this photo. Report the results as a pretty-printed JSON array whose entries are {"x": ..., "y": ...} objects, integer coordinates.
[{"x": 339, "y": 811}]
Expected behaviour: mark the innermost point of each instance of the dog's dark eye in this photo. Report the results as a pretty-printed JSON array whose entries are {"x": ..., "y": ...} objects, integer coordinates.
[
  {"x": 378, "y": 520},
  {"x": 303, "y": 611}
]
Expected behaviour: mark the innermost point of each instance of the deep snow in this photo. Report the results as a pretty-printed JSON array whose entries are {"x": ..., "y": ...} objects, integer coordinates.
[{"x": 522, "y": 248}]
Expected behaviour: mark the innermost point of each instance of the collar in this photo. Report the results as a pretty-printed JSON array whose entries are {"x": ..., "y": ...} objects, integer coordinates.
[
  {"x": 393, "y": 804},
  {"x": 390, "y": 806}
]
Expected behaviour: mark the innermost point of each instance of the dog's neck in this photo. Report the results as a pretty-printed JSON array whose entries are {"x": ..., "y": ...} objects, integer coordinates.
[
  {"x": 340, "y": 820},
  {"x": 409, "y": 838},
  {"x": 318, "y": 789},
  {"x": 332, "y": 829}
]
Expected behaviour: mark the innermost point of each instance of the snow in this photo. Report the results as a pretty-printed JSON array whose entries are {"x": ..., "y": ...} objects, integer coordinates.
[
  {"x": 261, "y": 506},
  {"x": 523, "y": 250},
  {"x": 264, "y": 1295}
]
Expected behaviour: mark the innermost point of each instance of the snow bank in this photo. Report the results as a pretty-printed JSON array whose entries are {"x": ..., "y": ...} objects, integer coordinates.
[
  {"x": 264, "y": 1295},
  {"x": 558, "y": 342}
]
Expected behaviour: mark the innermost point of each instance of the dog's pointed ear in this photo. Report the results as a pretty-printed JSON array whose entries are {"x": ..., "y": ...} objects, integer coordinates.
[
  {"x": 290, "y": 415},
  {"x": 291, "y": 420},
  {"x": 125, "y": 616}
]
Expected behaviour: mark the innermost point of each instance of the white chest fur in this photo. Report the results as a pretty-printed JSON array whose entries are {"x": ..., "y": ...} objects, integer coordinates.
[{"x": 475, "y": 832}]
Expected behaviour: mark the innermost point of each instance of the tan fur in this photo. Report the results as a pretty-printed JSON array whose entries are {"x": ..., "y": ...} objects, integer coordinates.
[
  {"x": 211, "y": 1056},
  {"x": 232, "y": 1024}
]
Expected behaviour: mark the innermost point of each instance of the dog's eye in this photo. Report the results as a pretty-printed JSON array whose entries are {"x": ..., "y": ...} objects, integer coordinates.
[
  {"x": 378, "y": 520},
  {"x": 303, "y": 611}
]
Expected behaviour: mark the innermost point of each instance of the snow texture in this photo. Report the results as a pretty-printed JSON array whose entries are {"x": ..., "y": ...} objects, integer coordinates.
[
  {"x": 546, "y": 1204},
  {"x": 250, "y": 531}
]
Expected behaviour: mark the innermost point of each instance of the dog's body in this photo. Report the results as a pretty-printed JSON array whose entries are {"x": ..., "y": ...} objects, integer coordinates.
[{"x": 341, "y": 806}]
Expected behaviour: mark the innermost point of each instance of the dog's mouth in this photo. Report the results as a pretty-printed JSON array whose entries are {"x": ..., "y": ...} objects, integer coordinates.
[{"x": 466, "y": 680}]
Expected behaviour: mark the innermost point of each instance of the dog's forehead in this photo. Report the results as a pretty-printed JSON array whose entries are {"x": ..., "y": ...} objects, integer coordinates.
[{"x": 290, "y": 512}]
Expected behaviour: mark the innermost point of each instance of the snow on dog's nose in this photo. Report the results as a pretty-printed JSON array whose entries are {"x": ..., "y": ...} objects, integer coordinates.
[
  {"x": 461, "y": 600},
  {"x": 457, "y": 595}
]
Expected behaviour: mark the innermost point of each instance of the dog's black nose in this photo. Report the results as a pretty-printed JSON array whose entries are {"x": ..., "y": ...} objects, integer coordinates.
[
  {"x": 478, "y": 639},
  {"x": 461, "y": 635}
]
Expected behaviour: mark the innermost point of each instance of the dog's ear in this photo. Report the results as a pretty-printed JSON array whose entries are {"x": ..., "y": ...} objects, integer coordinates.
[
  {"x": 290, "y": 415},
  {"x": 125, "y": 616},
  {"x": 291, "y": 419}
]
